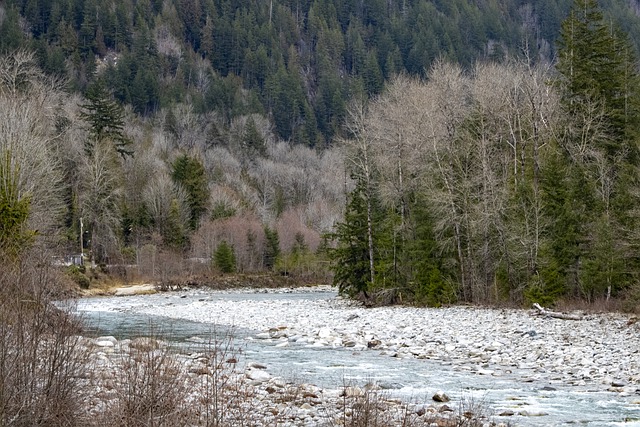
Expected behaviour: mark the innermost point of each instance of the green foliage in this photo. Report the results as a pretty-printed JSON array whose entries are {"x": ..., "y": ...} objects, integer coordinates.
[
  {"x": 106, "y": 120},
  {"x": 597, "y": 64},
  {"x": 428, "y": 281},
  {"x": 350, "y": 257},
  {"x": 298, "y": 72},
  {"x": 174, "y": 233},
  {"x": 271, "y": 250},
  {"x": 224, "y": 258},
  {"x": 189, "y": 172},
  {"x": 14, "y": 210},
  {"x": 220, "y": 210},
  {"x": 77, "y": 274}
]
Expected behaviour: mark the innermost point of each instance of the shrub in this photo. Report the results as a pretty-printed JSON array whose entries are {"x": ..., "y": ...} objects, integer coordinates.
[
  {"x": 77, "y": 274},
  {"x": 40, "y": 360}
]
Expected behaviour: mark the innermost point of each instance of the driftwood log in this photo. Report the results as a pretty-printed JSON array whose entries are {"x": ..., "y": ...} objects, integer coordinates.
[{"x": 543, "y": 312}]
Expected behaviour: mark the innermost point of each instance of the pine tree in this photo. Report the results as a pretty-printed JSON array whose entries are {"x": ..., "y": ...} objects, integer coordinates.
[
  {"x": 190, "y": 173},
  {"x": 174, "y": 234},
  {"x": 427, "y": 278},
  {"x": 224, "y": 258},
  {"x": 350, "y": 257},
  {"x": 271, "y": 247},
  {"x": 14, "y": 211},
  {"x": 597, "y": 63},
  {"x": 106, "y": 120}
]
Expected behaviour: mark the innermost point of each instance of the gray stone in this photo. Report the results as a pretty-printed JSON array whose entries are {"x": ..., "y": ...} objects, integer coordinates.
[{"x": 440, "y": 397}]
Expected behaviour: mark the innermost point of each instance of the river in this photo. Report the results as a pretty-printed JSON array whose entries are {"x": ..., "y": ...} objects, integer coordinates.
[{"x": 532, "y": 403}]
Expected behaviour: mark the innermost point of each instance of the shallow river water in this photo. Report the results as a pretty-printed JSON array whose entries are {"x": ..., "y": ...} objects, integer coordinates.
[{"x": 411, "y": 379}]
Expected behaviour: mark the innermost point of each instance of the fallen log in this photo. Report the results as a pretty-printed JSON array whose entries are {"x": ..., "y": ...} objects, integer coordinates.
[{"x": 543, "y": 312}]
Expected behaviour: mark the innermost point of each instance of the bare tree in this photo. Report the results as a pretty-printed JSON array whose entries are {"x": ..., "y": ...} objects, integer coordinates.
[
  {"x": 359, "y": 161},
  {"x": 100, "y": 197},
  {"x": 159, "y": 196},
  {"x": 446, "y": 106},
  {"x": 28, "y": 105}
]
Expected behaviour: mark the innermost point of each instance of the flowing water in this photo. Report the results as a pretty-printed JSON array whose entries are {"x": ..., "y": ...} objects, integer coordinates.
[{"x": 411, "y": 379}]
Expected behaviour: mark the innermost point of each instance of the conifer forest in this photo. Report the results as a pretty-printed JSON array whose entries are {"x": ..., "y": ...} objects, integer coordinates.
[{"x": 428, "y": 152}]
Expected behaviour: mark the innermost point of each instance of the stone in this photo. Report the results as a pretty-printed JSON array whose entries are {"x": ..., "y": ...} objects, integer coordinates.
[
  {"x": 352, "y": 391},
  {"x": 107, "y": 341},
  {"x": 374, "y": 343},
  {"x": 256, "y": 365},
  {"x": 199, "y": 370},
  {"x": 440, "y": 397},
  {"x": 258, "y": 375},
  {"x": 146, "y": 344},
  {"x": 324, "y": 333},
  {"x": 526, "y": 413}
]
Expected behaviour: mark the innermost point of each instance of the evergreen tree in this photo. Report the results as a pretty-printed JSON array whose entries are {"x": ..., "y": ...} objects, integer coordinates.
[
  {"x": 350, "y": 257},
  {"x": 14, "y": 211},
  {"x": 224, "y": 258},
  {"x": 106, "y": 120},
  {"x": 190, "y": 173},
  {"x": 427, "y": 278},
  {"x": 597, "y": 65},
  {"x": 174, "y": 234},
  {"x": 271, "y": 247}
]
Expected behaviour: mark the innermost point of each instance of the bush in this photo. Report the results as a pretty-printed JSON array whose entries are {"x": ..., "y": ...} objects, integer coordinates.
[
  {"x": 40, "y": 361},
  {"x": 77, "y": 274}
]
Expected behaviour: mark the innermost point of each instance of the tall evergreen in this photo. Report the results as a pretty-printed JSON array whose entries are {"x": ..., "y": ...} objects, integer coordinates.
[
  {"x": 106, "y": 119},
  {"x": 190, "y": 173},
  {"x": 271, "y": 247},
  {"x": 597, "y": 65},
  {"x": 350, "y": 257},
  {"x": 600, "y": 91},
  {"x": 224, "y": 258}
]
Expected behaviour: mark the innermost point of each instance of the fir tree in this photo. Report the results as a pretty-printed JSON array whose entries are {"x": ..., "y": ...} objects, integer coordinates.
[
  {"x": 350, "y": 257},
  {"x": 106, "y": 120},
  {"x": 597, "y": 63},
  {"x": 189, "y": 172},
  {"x": 271, "y": 247},
  {"x": 224, "y": 258}
]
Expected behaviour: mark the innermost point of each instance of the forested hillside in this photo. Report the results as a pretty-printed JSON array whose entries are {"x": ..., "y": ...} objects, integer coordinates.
[
  {"x": 295, "y": 62},
  {"x": 457, "y": 160}
]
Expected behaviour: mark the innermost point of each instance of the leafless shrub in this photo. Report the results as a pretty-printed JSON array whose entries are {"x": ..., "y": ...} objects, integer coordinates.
[
  {"x": 40, "y": 360},
  {"x": 150, "y": 387},
  {"x": 223, "y": 392},
  {"x": 472, "y": 412},
  {"x": 369, "y": 407}
]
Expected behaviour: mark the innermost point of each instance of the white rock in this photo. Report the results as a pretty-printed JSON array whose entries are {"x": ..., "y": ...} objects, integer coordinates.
[
  {"x": 324, "y": 333},
  {"x": 258, "y": 375}
]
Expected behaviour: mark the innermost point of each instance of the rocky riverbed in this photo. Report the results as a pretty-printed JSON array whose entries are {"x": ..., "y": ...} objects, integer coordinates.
[
  {"x": 211, "y": 387},
  {"x": 600, "y": 352}
]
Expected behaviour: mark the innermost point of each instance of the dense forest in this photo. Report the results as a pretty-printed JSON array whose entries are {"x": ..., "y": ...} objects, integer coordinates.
[
  {"x": 439, "y": 151},
  {"x": 295, "y": 62}
]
